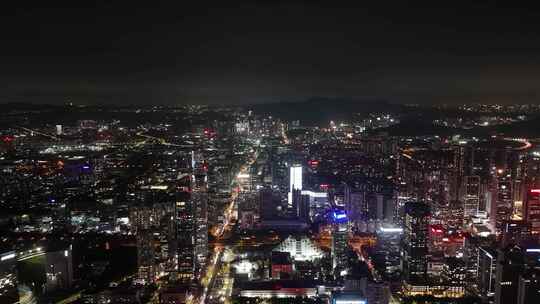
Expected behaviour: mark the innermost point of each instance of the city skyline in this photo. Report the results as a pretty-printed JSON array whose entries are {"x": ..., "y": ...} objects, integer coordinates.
[{"x": 225, "y": 204}]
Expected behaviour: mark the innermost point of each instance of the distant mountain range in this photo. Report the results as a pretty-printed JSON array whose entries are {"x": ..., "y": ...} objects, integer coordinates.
[
  {"x": 416, "y": 120},
  {"x": 319, "y": 111},
  {"x": 522, "y": 129}
]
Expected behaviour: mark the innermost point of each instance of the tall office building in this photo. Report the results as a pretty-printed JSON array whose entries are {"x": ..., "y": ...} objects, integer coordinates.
[
  {"x": 532, "y": 210},
  {"x": 471, "y": 199},
  {"x": 516, "y": 265},
  {"x": 519, "y": 196},
  {"x": 146, "y": 269},
  {"x": 515, "y": 233},
  {"x": 368, "y": 201},
  {"x": 199, "y": 199},
  {"x": 340, "y": 235},
  {"x": 415, "y": 243},
  {"x": 201, "y": 229},
  {"x": 462, "y": 165},
  {"x": 185, "y": 236},
  {"x": 487, "y": 267},
  {"x": 295, "y": 180},
  {"x": 529, "y": 287},
  {"x": 355, "y": 204},
  {"x": 193, "y": 220},
  {"x": 504, "y": 199},
  {"x": 300, "y": 204}
]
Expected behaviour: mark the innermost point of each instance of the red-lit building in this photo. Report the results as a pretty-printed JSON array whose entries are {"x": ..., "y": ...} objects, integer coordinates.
[
  {"x": 532, "y": 210},
  {"x": 282, "y": 265}
]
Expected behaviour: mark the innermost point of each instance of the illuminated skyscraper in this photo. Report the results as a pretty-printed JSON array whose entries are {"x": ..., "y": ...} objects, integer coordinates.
[
  {"x": 199, "y": 201},
  {"x": 532, "y": 210},
  {"x": 504, "y": 201},
  {"x": 515, "y": 233},
  {"x": 300, "y": 204},
  {"x": 415, "y": 243},
  {"x": 295, "y": 180},
  {"x": 185, "y": 241},
  {"x": 471, "y": 199},
  {"x": 340, "y": 236},
  {"x": 192, "y": 224},
  {"x": 462, "y": 164},
  {"x": 487, "y": 266},
  {"x": 355, "y": 205}
]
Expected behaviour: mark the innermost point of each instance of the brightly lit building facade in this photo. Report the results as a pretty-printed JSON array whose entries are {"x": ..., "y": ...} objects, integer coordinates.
[
  {"x": 504, "y": 202},
  {"x": 532, "y": 210},
  {"x": 295, "y": 180},
  {"x": 301, "y": 248},
  {"x": 471, "y": 198}
]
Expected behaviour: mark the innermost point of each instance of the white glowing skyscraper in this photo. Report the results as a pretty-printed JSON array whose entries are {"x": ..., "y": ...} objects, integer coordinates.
[{"x": 295, "y": 180}]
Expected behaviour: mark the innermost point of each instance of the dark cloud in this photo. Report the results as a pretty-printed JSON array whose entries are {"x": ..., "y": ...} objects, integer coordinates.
[{"x": 124, "y": 54}]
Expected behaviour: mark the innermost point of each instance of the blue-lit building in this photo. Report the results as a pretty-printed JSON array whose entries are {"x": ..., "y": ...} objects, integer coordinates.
[
  {"x": 340, "y": 236},
  {"x": 348, "y": 297}
]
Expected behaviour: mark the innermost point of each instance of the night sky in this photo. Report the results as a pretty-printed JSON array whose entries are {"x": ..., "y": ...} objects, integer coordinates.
[{"x": 243, "y": 53}]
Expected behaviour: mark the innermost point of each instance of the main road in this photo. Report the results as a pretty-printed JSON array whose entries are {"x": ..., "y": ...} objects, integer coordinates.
[{"x": 220, "y": 233}]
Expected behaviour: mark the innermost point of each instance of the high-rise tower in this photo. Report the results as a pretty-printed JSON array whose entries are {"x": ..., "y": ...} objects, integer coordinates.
[
  {"x": 415, "y": 242},
  {"x": 532, "y": 210},
  {"x": 295, "y": 180},
  {"x": 340, "y": 235}
]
